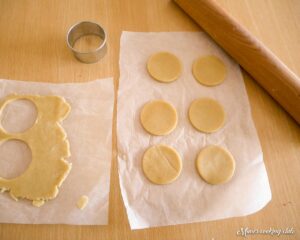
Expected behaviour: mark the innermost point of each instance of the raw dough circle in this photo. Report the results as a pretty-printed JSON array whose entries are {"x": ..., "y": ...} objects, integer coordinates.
[
  {"x": 161, "y": 164},
  {"x": 206, "y": 115},
  {"x": 209, "y": 70},
  {"x": 215, "y": 165},
  {"x": 164, "y": 67},
  {"x": 158, "y": 117}
]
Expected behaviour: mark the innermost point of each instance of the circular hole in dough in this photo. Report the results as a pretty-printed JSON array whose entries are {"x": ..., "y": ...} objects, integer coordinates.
[
  {"x": 206, "y": 115},
  {"x": 209, "y": 70},
  {"x": 164, "y": 67},
  {"x": 158, "y": 117},
  {"x": 161, "y": 164},
  {"x": 15, "y": 158},
  {"x": 215, "y": 165},
  {"x": 18, "y": 116}
]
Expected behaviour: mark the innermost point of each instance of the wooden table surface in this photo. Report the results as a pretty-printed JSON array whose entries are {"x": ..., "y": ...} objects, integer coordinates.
[{"x": 33, "y": 48}]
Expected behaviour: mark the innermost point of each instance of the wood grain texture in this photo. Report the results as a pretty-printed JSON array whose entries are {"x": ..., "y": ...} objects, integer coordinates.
[
  {"x": 267, "y": 69},
  {"x": 32, "y": 47}
]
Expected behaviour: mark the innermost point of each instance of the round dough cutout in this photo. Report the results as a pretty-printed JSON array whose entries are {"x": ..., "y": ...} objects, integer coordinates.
[
  {"x": 161, "y": 164},
  {"x": 206, "y": 115},
  {"x": 215, "y": 165},
  {"x": 158, "y": 117},
  {"x": 209, "y": 70},
  {"x": 164, "y": 67}
]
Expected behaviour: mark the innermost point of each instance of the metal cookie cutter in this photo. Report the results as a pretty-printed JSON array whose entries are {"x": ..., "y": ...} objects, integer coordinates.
[{"x": 82, "y": 29}]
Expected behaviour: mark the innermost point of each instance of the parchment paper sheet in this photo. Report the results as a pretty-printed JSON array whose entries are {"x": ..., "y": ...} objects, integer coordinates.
[
  {"x": 189, "y": 198},
  {"x": 89, "y": 131}
]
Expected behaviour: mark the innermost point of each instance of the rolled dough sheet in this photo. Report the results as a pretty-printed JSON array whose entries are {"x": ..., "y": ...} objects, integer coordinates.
[
  {"x": 158, "y": 117},
  {"x": 215, "y": 164},
  {"x": 209, "y": 70},
  {"x": 161, "y": 164},
  {"x": 206, "y": 115},
  {"x": 164, "y": 67},
  {"x": 89, "y": 130},
  {"x": 49, "y": 146}
]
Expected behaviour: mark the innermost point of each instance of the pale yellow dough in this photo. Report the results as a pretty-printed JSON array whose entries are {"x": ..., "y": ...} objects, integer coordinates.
[
  {"x": 206, "y": 115},
  {"x": 161, "y": 164},
  {"x": 209, "y": 70},
  {"x": 158, "y": 117},
  {"x": 82, "y": 202},
  {"x": 215, "y": 165},
  {"x": 38, "y": 203},
  {"x": 49, "y": 146},
  {"x": 164, "y": 67}
]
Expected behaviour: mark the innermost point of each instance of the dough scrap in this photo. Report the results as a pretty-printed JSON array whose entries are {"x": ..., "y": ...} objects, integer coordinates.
[
  {"x": 158, "y": 117},
  {"x": 49, "y": 146},
  {"x": 215, "y": 165},
  {"x": 164, "y": 67},
  {"x": 38, "y": 203},
  {"x": 161, "y": 164},
  {"x": 206, "y": 115},
  {"x": 209, "y": 70},
  {"x": 82, "y": 202}
]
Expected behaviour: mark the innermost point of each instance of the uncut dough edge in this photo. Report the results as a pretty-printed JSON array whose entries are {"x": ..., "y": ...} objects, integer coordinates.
[{"x": 41, "y": 137}]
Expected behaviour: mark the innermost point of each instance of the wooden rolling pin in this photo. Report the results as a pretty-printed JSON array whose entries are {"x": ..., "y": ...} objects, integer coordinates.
[{"x": 272, "y": 74}]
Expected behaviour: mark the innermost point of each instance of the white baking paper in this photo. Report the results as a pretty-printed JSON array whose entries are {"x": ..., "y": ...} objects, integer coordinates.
[
  {"x": 188, "y": 199},
  {"x": 89, "y": 131}
]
